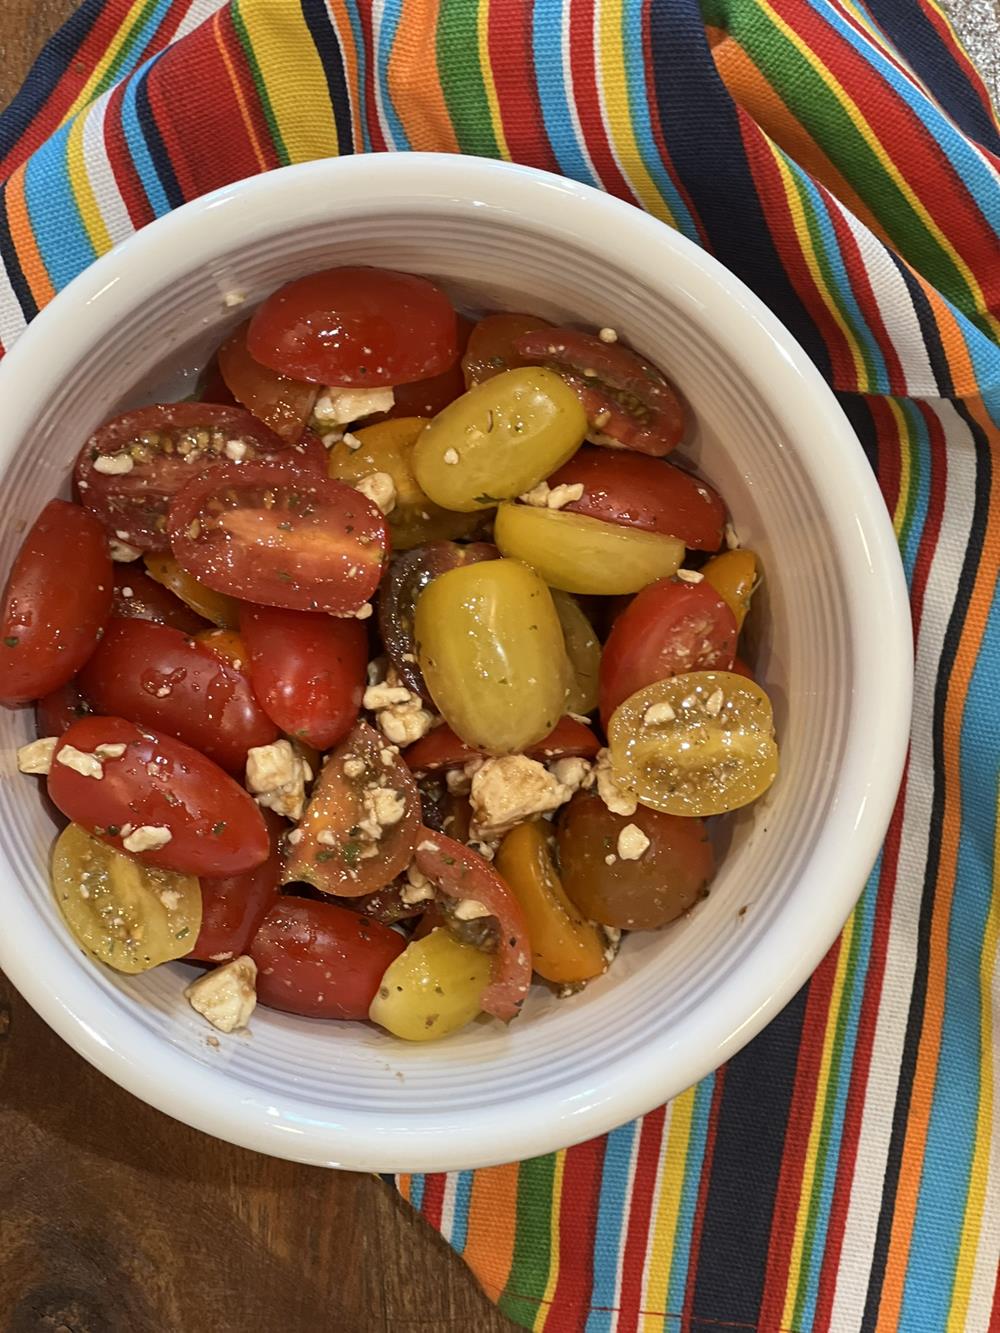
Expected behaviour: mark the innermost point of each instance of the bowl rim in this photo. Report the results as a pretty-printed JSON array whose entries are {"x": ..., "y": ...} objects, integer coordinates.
[{"x": 866, "y": 785}]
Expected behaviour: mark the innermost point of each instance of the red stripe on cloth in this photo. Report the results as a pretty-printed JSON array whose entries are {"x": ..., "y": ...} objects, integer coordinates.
[
  {"x": 129, "y": 183},
  {"x": 935, "y": 514},
  {"x": 433, "y": 1200},
  {"x": 587, "y": 98},
  {"x": 865, "y": 297},
  {"x": 511, "y": 57},
  {"x": 703, "y": 1187},
  {"x": 369, "y": 107},
  {"x": 787, "y": 1197},
  {"x": 640, "y": 1210},
  {"x": 570, "y": 1306},
  {"x": 888, "y": 450}
]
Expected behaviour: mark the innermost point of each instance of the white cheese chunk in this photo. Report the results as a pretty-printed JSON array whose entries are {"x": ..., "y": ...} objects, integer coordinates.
[
  {"x": 618, "y": 801},
  {"x": 113, "y": 465},
  {"x": 277, "y": 776},
  {"x": 226, "y": 996},
  {"x": 632, "y": 842},
  {"x": 147, "y": 838},
  {"x": 380, "y": 488},
  {"x": 36, "y": 757},
  {"x": 81, "y": 761},
  {"x": 338, "y": 406},
  {"x": 508, "y": 790}
]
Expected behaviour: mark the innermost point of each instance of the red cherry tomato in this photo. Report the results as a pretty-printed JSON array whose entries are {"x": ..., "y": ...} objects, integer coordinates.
[
  {"x": 56, "y": 603},
  {"x": 60, "y": 709},
  {"x": 233, "y": 908},
  {"x": 215, "y": 828},
  {"x": 441, "y": 748},
  {"x": 636, "y": 491},
  {"x": 626, "y": 398},
  {"x": 283, "y": 404},
  {"x": 156, "y": 677},
  {"x": 164, "y": 449},
  {"x": 426, "y": 398},
  {"x": 491, "y": 345},
  {"x": 321, "y": 960},
  {"x": 213, "y": 388},
  {"x": 281, "y": 538},
  {"x": 459, "y": 872},
  {"x": 138, "y": 597},
  {"x": 356, "y": 327},
  {"x": 307, "y": 670},
  {"x": 667, "y": 629},
  {"x": 334, "y": 848}
]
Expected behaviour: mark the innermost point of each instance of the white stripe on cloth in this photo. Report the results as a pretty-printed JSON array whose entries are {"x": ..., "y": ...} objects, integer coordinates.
[
  {"x": 12, "y": 322},
  {"x": 103, "y": 182},
  {"x": 893, "y": 1010},
  {"x": 200, "y": 11}
]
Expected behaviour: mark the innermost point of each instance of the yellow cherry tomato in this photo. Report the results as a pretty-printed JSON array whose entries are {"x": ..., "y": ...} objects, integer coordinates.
[
  {"x": 387, "y": 446},
  {"x": 564, "y": 947},
  {"x": 500, "y": 439},
  {"x": 585, "y": 555},
  {"x": 583, "y": 648},
  {"x": 697, "y": 744},
  {"x": 214, "y": 606},
  {"x": 225, "y": 643},
  {"x": 490, "y": 647},
  {"x": 130, "y": 916},
  {"x": 733, "y": 575},
  {"x": 432, "y": 989}
]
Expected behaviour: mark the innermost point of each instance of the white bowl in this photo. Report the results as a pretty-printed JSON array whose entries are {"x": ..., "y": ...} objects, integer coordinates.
[{"x": 834, "y": 651}]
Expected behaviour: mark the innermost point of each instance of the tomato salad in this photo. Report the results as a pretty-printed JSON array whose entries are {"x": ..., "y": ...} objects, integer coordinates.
[{"x": 400, "y": 673}]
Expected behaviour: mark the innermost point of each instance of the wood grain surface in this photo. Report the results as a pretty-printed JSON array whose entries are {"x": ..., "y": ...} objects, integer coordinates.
[{"x": 115, "y": 1219}]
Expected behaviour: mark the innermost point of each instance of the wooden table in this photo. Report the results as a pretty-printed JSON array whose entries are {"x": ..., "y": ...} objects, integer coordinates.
[{"x": 115, "y": 1219}]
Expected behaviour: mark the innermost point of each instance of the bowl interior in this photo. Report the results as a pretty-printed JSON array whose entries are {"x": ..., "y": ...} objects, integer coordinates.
[{"x": 676, "y": 1000}]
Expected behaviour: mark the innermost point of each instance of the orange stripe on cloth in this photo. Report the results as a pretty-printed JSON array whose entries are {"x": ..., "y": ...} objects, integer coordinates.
[
  {"x": 22, "y": 234},
  {"x": 413, "y": 79},
  {"x": 259, "y": 151},
  {"x": 489, "y": 1245}
]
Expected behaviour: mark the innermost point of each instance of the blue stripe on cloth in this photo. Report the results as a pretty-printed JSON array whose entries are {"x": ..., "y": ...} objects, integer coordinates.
[
  {"x": 611, "y": 1215},
  {"x": 694, "y": 1158},
  {"x": 553, "y": 94},
  {"x": 52, "y": 208},
  {"x": 391, "y": 13}
]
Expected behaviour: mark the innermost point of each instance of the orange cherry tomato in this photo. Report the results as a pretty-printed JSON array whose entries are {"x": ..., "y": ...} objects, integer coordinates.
[
  {"x": 733, "y": 575},
  {"x": 490, "y": 349},
  {"x": 284, "y": 405}
]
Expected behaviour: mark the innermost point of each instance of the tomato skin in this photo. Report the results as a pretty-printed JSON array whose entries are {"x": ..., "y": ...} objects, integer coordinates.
[
  {"x": 138, "y": 597},
  {"x": 441, "y": 748},
  {"x": 284, "y": 405},
  {"x": 212, "y": 388},
  {"x": 321, "y": 960},
  {"x": 642, "y": 492},
  {"x": 459, "y": 872},
  {"x": 216, "y": 828},
  {"x": 307, "y": 670},
  {"x": 55, "y": 604},
  {"x": 490, "y": 349},
  {"x": 319, "y": 545},
  {"x": 356, "y": 327},
  {"x": 135, "y": 504},
  {"x": 629, "y": 402},
  {"x": 157, "y": 677},
  {"x": 426, "y": 398},
  {"x": 60, "y": 709},
  {"x": 668, "y": 629},
  {"x": 234, "y": 907},
  {"x": 740, "y": 668}
]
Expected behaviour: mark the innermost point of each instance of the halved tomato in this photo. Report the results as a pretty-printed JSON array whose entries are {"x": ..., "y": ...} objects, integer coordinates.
[
  {"x": 356, "y": 327},
  {"x": 282, "y": 538},
  {"x": 629, "y": 403},
  {"x": 234, "y": 907},
  {"x": 441, "y": 748},
  {"x": 426, "y": 398},
  {"x": 490, "y": 349},
  {"x": 669, "y": 628},
  {"x": 156, "y": 798},
  {"x": 641, "y": 492},
  {"x": 283, "y": 404},
  {"x": 129, "y": 471},
  {"x": 360, "y": 826}
]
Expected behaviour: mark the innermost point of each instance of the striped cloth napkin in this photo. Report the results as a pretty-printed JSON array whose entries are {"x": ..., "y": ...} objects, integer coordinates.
[{"x": 843, "y": 1172}]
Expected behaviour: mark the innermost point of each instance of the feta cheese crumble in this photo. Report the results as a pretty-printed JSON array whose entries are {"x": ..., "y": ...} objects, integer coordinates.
[
  {"x": 618, "y": 801},
  {"x": 36, "y": 757},
  {"x": 113, "y": 465},
  {"x": 338, "y": 406},
  {"x": 147, "y": 838},
  {"x": 632, "y": 842},
  {"x": 277, "y": 776},
  {"x": 399, "y": 713},
  {"x": 226, "y": 996},
  {"x": 510, "y": 789},
  {"x": 380, "y": 488}
]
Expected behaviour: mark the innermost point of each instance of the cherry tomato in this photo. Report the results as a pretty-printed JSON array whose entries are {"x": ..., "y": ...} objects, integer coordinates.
[
  {"x": 668, "y": 628},
  {"x": 138, "y": 597},
  {"x": 658, "y": 886},
  {"x": 460, "y": 873},
  {"x": 583, "y": 648},
  {"x": 585, "y": 555},
  {"x": 233, "y": 908},
  {"x": 157, "y": 783},
  {"x": 307, "y": 670},
  {"x": 269, "y": 535},
  {"x": 564, "y": 946},
  {"x": 733, "y": 575},
  {"x": 157, "y": 677},
  {"x": 426, "y": 398},
  {"x": 491, "y": 649},
  {"x": 56, "y": 603},
  {"x": 629, "y": 403},
  {"x": 490, "y": 350},
  {"x": 386, "y": 905},
  {"x": 359, "y": 828},
  {"x": 284, "y": 405},
  {"x": 498, "y": 440},
  {"x": 60, "y": 709},
  {"x": 740, "y": 668},
  {"x": 356, "y": 327},
  {"x": 407, "y": 578},
  {"x": 156, "y": 451},
  {"x": 208, "y": 605},
  {"x": 641, "y": 492},
  {"x": 130, "y": 916},
  {"x": 433, "y": 988},
  {"x": 698, "y": 744},
  {"x": 321, "y": 960},
  {"x": 212, "y": 388},
  {"x": 441, "y": 748},
  {"x": 225, "y": 643}
]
